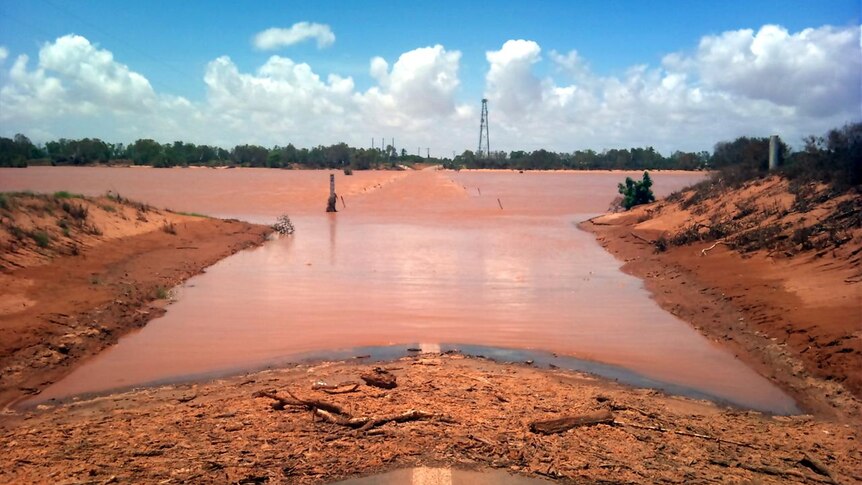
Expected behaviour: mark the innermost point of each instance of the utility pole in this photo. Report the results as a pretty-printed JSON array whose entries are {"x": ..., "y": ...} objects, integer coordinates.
[{"x": 483, "y": 132}]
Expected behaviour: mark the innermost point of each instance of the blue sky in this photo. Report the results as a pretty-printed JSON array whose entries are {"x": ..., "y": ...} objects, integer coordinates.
[{"x": 173, "y": 44}]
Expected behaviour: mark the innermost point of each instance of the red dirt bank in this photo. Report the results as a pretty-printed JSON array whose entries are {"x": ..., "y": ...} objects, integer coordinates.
[
  {"x": 793, "y": 314},
  {"x": 100, "y": 270}
]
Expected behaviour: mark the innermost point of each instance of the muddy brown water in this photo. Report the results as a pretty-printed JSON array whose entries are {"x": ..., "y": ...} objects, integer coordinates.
[{"x": 473, "y": 258}]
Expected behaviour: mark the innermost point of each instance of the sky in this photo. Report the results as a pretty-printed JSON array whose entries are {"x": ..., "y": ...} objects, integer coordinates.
[{"x": 564, "y": 76}]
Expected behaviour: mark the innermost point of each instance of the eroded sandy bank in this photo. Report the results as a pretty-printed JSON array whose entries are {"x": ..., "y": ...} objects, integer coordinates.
[{"x": 79, "y": 273}]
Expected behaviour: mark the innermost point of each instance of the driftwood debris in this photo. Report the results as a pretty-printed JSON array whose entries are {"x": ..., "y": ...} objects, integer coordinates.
[
  {"x": 380, "y": 377},
  {"x": 816, "y": 466},
  {"x": 706, "y": 250},
  {"x": 334, "y": 414},
  {"x": 559, "y": 425},
  {"x": 366, "y": 423},
  {"x": 310, "y": 404},
  {"x": 683, "y": 433},
  {"x": 342, "y": 388}
]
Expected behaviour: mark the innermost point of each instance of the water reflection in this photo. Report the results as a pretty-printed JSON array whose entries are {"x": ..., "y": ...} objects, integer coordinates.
[{"x": 417, "y": 258}]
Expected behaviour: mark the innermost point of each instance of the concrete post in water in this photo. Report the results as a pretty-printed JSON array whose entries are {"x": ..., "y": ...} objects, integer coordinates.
[
  {"x": 330, "y": 204},
  {"x": 774, "y": 145}
]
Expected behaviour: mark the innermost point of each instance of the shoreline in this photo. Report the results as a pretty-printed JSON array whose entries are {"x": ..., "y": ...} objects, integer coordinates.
[
  {"x": 63, "y": 309},
  {"x": 455, "y": 411},
  {"x": 681, "y": 286},
  {"x": 380, "y": 355}
]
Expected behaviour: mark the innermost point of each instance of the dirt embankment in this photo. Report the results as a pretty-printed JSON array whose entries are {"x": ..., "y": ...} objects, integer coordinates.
[
  {"x": 452, "y": 411},
  {"x": 77, "y": 273},
  {"x": 769, "y": 269}
]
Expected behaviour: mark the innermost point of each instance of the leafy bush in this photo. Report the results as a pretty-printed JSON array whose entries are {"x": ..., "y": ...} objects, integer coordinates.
[{"x": 636, "y": 193}]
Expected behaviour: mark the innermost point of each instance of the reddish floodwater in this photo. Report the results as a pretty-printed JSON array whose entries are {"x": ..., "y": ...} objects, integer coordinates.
[{"x": 413, "y": 257}]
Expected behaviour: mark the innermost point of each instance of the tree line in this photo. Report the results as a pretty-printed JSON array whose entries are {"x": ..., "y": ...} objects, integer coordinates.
[
  {"x": 742, "y": 157},
  {"x": 615, "y": 159},
  {"x": 20, "y": 152}
]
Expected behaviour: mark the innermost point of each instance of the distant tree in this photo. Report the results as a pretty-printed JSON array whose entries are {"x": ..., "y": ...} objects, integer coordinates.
[
  {"x": 14, "y": 152},
  {"x": 636, "y": 193},
  {"x": 146, "y": 152},
  {"x": 249, "y": 155},
  {"x": 835, "y": 158},
  {"x": 337, "y": 155}
]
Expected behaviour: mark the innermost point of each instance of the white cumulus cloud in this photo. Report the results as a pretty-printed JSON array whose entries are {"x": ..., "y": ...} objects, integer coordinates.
[
  {"x": 512, "y": 86},
  {"x": 79, "y": 89},
  {"x": 736, "y": 83},
  {"x": 275, "y": 38},
  {"x": 744, "y": 82},
  {"x": 815, "y": 70}
]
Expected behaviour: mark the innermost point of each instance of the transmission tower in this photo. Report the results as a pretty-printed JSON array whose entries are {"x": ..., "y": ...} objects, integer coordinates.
[{"x": 483, "y": 133}]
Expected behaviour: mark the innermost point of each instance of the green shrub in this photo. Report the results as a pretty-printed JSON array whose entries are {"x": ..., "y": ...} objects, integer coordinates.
[
  {"x": 63, "y": 194},
  {"x": 64, "y": 225},
  {"x": 162, "y": 293},
  {"x": 636, "y": 193},
  {"x": 43, "y": 240}
]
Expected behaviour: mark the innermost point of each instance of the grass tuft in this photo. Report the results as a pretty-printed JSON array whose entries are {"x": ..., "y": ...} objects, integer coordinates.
[
  {"x": 64, "y": 194},
  {"x": 42, "y": 238},
  {"x": 162, "y": 293}
]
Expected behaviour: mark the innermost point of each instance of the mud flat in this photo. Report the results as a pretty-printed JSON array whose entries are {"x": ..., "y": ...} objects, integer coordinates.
[
  {"x": 78, "y": 273},
  {"x": 455, "y": 412}
]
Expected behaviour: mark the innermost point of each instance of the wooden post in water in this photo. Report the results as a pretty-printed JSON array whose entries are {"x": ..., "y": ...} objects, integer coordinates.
[{"x": 330, "y": 204}]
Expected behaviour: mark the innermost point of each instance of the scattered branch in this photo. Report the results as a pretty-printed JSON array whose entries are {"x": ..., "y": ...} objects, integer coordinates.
[
  {"x": 704, "y": 251},
  {"x": 683, "y": 433}
]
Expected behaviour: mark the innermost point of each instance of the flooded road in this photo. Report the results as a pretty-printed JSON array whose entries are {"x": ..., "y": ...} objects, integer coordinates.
[{"x": 471, "y": 258}]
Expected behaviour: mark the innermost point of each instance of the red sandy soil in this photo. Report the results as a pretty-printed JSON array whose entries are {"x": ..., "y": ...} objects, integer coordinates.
[
  {"x": 93, "y": 281},
  {"x": 792, "y": 309},
  {"x": 478, "y": 416}
]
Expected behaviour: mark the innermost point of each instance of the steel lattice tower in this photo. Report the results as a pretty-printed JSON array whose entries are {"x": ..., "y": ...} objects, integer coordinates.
[{"x": 483, "y": 133}]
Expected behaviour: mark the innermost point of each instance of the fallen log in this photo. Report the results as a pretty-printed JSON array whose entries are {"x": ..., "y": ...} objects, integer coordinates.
[
  {"x": 559, "y": 425},
  {"x": 380, "y": 377}
]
